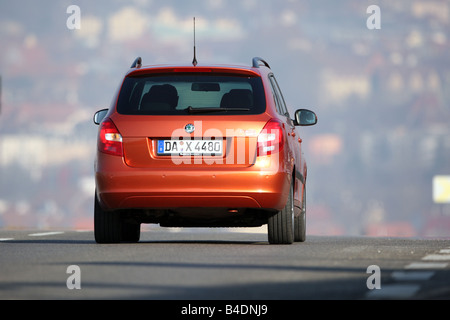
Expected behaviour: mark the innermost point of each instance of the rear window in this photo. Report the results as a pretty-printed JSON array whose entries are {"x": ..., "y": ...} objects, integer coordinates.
[{"x": 183, "y": 94}]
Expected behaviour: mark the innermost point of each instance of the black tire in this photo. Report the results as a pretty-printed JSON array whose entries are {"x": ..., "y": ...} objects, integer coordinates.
[
  {"x": 131, "y": 231},
  {"x": 107, "y": 225},
  {"x": 300, "y": 221},
  {"x": 280, "y": 226}
]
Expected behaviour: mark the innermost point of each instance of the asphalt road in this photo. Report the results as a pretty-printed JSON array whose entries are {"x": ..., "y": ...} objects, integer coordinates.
[{"x": 209, "y": 264}]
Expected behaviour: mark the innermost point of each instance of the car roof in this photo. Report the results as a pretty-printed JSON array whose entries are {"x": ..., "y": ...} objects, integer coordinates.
[{"x": 255, "y": 70}]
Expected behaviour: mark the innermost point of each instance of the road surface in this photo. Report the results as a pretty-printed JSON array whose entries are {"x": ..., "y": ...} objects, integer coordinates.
[{"x": 210, "y": 264}]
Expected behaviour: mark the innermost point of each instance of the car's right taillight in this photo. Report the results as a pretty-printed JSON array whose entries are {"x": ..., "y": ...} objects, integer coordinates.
[
  {"x": 271, "y": 138},
  {"x": 110, "y": 139}
]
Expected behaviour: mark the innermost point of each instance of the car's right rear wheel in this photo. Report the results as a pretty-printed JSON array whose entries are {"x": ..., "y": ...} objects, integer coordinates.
[
  {"x": 300, "y": 221},
  {"x": 281, "y": 225}
]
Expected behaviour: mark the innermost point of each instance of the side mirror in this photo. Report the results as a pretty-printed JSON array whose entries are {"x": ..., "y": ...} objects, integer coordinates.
[
  {"x": 99, "y": 115},
  {"x": 305, "y": 117}
]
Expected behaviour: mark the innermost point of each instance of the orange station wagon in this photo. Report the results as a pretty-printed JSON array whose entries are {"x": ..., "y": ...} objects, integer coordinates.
[{"x": 200, "y": 146}]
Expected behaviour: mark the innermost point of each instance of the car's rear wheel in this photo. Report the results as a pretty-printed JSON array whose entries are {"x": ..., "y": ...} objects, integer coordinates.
[
  {"x": 110, "y": 228},
  {"x": 131, "y": 231},
  {"x": 300, "y": 221},
  {"x": 281, "y": 225},
  {"x": 107, "y": 228}
]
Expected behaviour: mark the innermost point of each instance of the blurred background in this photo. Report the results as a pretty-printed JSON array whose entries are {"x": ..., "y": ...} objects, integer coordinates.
[{"x": 382, "y": 97}]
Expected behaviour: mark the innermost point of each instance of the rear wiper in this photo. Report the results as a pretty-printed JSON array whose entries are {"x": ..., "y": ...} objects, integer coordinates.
[{"x": 207, "y": 110}]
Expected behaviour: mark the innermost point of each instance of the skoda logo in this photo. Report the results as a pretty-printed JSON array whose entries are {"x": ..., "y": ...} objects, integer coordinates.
[{"x": 189, "y": 128}]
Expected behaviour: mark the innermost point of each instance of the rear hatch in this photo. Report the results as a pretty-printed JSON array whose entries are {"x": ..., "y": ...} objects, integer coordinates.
[
  {"x": 154, "y": 141},
  {"x": 177, "y": 117}
]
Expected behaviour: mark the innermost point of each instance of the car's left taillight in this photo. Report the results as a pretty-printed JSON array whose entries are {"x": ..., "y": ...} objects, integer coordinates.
[{"x": 110, "y": 139}]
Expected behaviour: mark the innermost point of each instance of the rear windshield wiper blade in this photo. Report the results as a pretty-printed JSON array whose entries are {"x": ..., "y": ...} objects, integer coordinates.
[{"x": 207, "y": 110}]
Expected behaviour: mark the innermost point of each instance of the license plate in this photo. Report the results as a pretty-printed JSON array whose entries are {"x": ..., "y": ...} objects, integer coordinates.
[{"x": 190, "y": 147}]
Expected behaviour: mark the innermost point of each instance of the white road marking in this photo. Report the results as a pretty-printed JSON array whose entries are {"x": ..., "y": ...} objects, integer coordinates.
[
  {"x": 426, "y": 265},
  {"x": 437, "y": 257},
  {"x": 6, "y": 239},
  {"x": 394, "y": 291},
  {"x": 444, "y": 251},
  {"x": 412, "y": 275},
  {"x": 42, "y": 234}
]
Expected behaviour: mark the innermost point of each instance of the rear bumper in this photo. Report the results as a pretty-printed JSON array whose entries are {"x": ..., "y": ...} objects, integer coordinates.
[{"x": 121, "y": 187}]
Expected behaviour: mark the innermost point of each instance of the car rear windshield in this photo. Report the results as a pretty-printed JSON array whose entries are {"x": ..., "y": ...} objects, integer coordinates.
[{"x": 184, "y": 94}]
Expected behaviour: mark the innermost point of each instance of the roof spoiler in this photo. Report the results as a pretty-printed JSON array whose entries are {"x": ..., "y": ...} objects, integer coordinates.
[
  {"x": 137, "y": 63},
  {"x": 256, "y": 62}
]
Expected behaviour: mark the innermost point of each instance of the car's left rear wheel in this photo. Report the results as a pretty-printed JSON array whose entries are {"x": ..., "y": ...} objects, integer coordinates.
[
  {"x": 109, "y": 227},
  {"x": 131, "y": 231}
]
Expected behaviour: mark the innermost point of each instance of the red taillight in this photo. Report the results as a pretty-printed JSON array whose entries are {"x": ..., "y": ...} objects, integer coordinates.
[
  {"x": 110, "y": 140},
  {"x": 271, "y": 139}
]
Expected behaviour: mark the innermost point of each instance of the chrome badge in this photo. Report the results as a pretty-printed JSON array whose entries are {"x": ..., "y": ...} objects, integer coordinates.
[{"x": 189, "y": 128}]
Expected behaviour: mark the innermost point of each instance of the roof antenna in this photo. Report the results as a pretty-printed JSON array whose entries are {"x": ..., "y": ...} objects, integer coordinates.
[{"x": 194, "y": 62}]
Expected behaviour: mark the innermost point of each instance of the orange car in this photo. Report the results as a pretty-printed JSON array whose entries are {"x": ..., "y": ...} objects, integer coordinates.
[{"x": 200, "y": 146}]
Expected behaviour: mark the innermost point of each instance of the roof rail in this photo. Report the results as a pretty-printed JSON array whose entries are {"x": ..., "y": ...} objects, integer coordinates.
[
  {"x": 257, "y": 60},
  {"x": 137, "y": 63}
]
